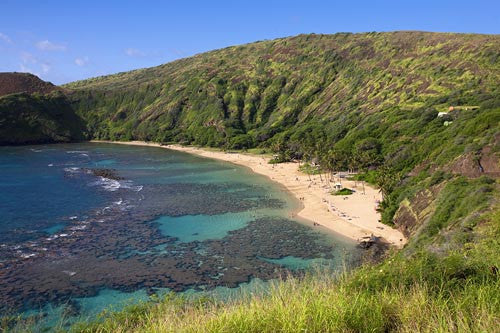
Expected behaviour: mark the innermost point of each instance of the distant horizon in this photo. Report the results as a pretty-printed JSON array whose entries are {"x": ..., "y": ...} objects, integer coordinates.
[{"x": 64, "y": 43}]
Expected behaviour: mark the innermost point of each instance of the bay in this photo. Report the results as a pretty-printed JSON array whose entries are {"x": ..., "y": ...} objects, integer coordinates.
[{"x": 89, "y": 226}]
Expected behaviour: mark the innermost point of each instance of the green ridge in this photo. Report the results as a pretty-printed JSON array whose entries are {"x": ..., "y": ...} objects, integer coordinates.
[
  {"x": 378, "y": 103},
  {"x": 37, "y": 118}
]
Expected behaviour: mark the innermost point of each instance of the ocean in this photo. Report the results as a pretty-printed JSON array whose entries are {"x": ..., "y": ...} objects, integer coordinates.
[{"x": 93, "y": 226}]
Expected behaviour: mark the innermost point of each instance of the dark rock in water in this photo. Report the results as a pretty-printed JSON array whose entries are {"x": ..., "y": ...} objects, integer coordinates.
[
  {"x": 375, "y": 248},
  {"x": 106, "y": 173}
]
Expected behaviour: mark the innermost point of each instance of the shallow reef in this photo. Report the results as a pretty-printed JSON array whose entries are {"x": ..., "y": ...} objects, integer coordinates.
[{"x": 120, "y": 246}]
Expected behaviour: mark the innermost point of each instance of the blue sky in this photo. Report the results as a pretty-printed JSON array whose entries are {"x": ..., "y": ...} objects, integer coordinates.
[{"x": 63, "y": 41}]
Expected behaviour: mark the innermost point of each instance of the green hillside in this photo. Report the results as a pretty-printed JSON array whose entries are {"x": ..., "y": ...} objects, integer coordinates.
[
  {"x": 37, "y": 118},
  {"x": 264, "y": 88},
  {"x": 33, "y": 111},
  {"x": 415, "y": 113},
  {"x": 377, "y": 93},
  {"x": 360, "y": 101}
]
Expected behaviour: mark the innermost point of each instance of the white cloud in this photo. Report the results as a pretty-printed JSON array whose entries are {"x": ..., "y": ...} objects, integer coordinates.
[
  {"x": 46, "y": 45},
  {"x": 134, "y": 53},
  {"x": 27, "y": 57},
  {"x": 5, "y": 38},
  {"x": 28, "y": 62},
  {"x": 82, "y": 61},
  {"x": 45, "y": 68}
]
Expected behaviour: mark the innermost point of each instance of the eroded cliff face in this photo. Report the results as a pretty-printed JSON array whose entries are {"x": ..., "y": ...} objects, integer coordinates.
[
  {"x": 450, "y": 199},
  {"x": 414, "y": 212},
  {"x": 476, "y": 164},
  {"x": 490, "y": 161}
]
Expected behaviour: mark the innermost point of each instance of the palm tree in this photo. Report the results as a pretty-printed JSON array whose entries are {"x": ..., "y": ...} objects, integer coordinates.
[{"x": 387, "y": 179}]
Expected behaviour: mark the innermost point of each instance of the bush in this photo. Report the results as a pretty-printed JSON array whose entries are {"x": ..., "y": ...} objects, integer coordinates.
[
  {"x": 242, "y": 141},
  {"x": 344, "y": 191}
]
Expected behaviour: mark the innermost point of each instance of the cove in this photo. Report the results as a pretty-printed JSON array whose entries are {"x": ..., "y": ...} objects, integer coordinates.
[{"x": 157, "y": 220}]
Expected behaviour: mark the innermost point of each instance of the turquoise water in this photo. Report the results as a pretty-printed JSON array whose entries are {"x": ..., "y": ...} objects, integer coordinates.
[
  {"x": 74, "y": 242},
  {"x": 295, "y": 263},
  {"x": 54, "y": 228},
  {"x": 190, "y": 228}
]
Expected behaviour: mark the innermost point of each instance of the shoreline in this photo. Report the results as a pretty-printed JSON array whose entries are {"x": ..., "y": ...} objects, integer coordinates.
[{"x": 352, "y": 216}]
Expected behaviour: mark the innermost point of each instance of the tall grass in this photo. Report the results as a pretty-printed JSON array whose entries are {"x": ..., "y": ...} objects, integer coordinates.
[{"x": 321, "y": 304}]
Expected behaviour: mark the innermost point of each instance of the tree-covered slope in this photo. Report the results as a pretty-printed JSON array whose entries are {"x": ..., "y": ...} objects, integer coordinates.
[
  {"x": 35, "y": 111},
  {"x": 405, "y": 104},
  {"x": 263, "y": 88},
  {"x": 36, "y": 118}
]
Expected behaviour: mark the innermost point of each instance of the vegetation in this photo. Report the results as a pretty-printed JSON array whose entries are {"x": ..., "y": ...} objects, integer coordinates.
[
  {"x": 344, "y": 191},
  {"x": 37, "y": 118},
  {"x": 250, "y": 95},
  {"x": 309, "y": 169},
  {"x": 362, "y": 102},
  {"x": 420, "y": 289}
]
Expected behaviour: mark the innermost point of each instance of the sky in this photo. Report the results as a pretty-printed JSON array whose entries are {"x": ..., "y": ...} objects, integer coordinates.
[{"x": 64, "y": 41}]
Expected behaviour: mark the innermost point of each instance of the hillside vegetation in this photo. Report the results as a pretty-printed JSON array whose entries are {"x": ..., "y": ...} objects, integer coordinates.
[
  {"x": 36, "y": 118},
  {"x": 245, "y": 95},
  {"x": 415, "y": 113},
  {"x": 34, "y": 111},
  {"x": 368, "y": 102}
]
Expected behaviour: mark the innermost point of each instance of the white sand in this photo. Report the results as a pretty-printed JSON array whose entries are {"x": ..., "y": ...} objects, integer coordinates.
[{"x": 353, "y": 216}]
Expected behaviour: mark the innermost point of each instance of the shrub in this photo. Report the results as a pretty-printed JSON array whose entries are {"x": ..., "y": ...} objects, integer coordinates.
[{"x": 344, "y": 191}]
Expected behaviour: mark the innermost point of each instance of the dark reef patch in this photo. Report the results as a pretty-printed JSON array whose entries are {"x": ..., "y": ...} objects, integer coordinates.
[
  {"x": 120, "y": 247},
  {"x": 106, "y": 173}
]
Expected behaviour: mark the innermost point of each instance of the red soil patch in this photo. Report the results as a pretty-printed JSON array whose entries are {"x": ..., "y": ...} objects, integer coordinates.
[{"x": 11, "y": 83}]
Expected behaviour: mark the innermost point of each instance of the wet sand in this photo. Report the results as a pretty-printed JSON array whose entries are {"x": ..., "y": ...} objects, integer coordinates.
[{"x": 353, "y": 216}]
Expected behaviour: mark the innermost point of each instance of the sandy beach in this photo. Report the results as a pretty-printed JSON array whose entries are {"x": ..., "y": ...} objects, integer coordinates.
[{"x": 353, "y": 216}]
